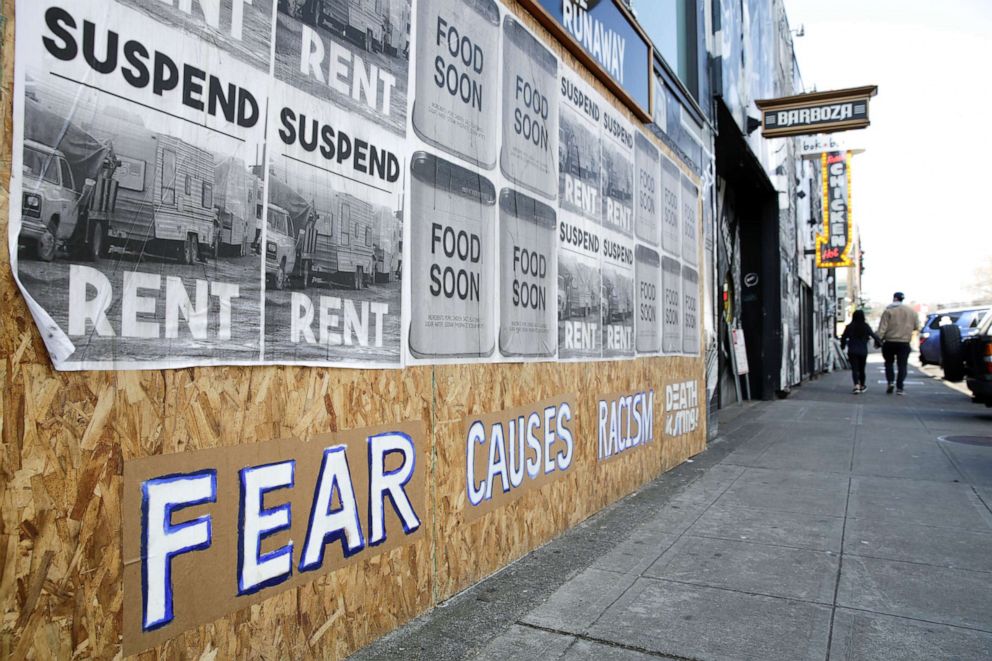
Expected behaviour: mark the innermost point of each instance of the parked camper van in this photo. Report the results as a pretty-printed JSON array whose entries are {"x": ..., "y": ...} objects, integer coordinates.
[
  {"x": 387, "y": 245},
  {"x": 344, "y": 247},
  {"x": 234, "y": 198},
  {"x": 366, "y": 23},
  {"x": 165, "y": 198},
  {"x": 68, "y": 190}
]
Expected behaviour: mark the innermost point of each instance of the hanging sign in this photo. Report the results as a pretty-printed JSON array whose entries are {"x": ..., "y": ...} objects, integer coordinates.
[
  {"x": 606, "y": 39},
  {"x": 833, "y": 247},
  {"x": 816, "y": 112}
]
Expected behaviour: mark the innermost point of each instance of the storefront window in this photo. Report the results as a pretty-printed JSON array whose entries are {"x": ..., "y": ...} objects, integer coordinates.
[{"x": 671, "y": 26}]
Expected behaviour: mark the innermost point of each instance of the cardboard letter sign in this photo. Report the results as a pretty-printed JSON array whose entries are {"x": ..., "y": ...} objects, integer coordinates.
[{"x": 209, "y": 532}]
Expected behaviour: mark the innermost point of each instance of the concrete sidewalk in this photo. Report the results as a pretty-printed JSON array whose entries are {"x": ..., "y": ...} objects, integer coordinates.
[{"x": 824, "y": 526}]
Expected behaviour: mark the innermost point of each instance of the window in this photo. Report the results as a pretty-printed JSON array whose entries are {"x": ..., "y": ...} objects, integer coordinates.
[
  {"x": 66, "y": 174},
  {"x": 357, "y": 232},
  {"x": 188, "y": 187},
  {"x": 368, "y": 236},
  {"x": 168, "y": 176},
  {"x": 671, "y": 26},
  {"x": 345, "y": 224},
  {"x": 207, "y": 196},
  {"x": 40, "y": 165}
]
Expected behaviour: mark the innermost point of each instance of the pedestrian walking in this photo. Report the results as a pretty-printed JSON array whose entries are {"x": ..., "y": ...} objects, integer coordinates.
[
  {"x": 899, "y": 322},
  {"x": 855, "y": 339}
]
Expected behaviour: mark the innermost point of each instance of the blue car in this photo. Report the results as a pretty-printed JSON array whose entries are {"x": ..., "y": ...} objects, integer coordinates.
[{"x": 967, "y": 319}]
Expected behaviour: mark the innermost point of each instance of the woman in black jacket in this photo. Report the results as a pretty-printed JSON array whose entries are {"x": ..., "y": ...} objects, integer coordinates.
[{"x": 855, "y": 338}]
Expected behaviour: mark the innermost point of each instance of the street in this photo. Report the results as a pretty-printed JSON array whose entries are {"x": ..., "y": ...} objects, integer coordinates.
[{"x": 823, "y": 526}]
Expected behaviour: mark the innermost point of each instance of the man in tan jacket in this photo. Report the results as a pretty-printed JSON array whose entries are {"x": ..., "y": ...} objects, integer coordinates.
[{"x": 899, "y": 322}]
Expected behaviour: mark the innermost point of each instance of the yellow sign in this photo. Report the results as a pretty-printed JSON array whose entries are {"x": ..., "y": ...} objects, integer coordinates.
[{"x": 833, "y": 247}]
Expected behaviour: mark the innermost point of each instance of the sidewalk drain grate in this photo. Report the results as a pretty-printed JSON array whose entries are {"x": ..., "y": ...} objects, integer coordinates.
[{"x": 968, "y": 440}]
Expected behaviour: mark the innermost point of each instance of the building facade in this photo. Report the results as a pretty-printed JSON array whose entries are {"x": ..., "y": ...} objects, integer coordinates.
[{"x": 762, "y": 199}]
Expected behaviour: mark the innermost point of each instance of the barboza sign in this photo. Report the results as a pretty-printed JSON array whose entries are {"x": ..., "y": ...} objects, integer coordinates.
[
  {"x": 833, "y": 246},
  {"x": 460, "y": 197},
  {"x": 816, "y": 112}
]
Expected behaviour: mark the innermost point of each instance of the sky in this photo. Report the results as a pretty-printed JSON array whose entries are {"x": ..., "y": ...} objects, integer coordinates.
[{"x": 922, "y": 188}]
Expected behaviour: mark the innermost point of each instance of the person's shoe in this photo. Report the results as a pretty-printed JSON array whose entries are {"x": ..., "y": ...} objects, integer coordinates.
[
  {"x": 900, "y": 392},
  {"x": 889, "y": 389},
  {"x": 857, "y": 390},
  {"x": 863, "y": 387}
]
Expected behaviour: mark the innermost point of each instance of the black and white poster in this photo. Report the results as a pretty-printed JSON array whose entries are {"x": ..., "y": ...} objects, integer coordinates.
[
  {"x": 647, "y": 226},
  {"x": 671, "y": 207},
  {"x": 690, "y": 311},
  {"x": 648, "y": 310},
  {"x": 130, "y": 219},
  {"x": 671, "y": 306},
  {"x": 690, "y": 222},
  {"x": 351, "y": 183},
  {"x": 334, "y": 183},
  {"x": 580, "y": 286}
]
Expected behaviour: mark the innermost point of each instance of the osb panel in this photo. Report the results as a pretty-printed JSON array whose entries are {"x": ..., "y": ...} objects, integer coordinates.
[
  {"x": 64, "y": 438},
  {"x": 467, "y": 553}
]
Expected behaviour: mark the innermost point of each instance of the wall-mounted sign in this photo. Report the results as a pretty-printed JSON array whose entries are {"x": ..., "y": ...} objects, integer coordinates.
[
  {"x": 681, "y": 408},
  {"x": 833, "y": 247},
  {"x": 811, "y": 146},
  {"x": 509, "y": 453},
  {"x": 605, "y": 38},
  {"x": 816, "y": 112}
]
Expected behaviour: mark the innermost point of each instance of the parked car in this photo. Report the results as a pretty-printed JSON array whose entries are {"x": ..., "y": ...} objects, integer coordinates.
[
  {"x": 971, "y": 359},
  {"x": 966, "y": 319},
  {"x": 70, "y": 188},
  {"x": 50, "y": 198}
]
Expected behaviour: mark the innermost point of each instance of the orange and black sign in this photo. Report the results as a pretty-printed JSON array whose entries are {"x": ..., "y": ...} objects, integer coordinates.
[
  {"x": 833, "y": 247},
  {"x": 816, "y": 112}
]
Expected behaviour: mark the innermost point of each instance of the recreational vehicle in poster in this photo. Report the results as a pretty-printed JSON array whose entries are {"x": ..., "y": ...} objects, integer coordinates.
[
  {"x": 165, "y": 190},
  {"x": 344, "y": 246},
  {"x": 234, "y": 198}
]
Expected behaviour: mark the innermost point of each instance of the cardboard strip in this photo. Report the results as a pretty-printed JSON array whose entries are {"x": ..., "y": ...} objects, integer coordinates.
[
  {"x": 511, "y": 453},
  {"x": 209, "y": 532}
]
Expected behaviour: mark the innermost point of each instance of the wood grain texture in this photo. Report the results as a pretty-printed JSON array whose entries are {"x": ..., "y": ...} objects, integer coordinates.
[{"x": 65, "y": 436}]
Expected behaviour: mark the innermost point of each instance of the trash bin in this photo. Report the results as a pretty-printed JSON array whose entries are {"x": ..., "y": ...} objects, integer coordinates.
[
  {"x": 529, "y": 152},
  {"x": 528, "y": 276},
  {"x": 457, "y": 78},
  {"x": 452, "y": 261}
]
